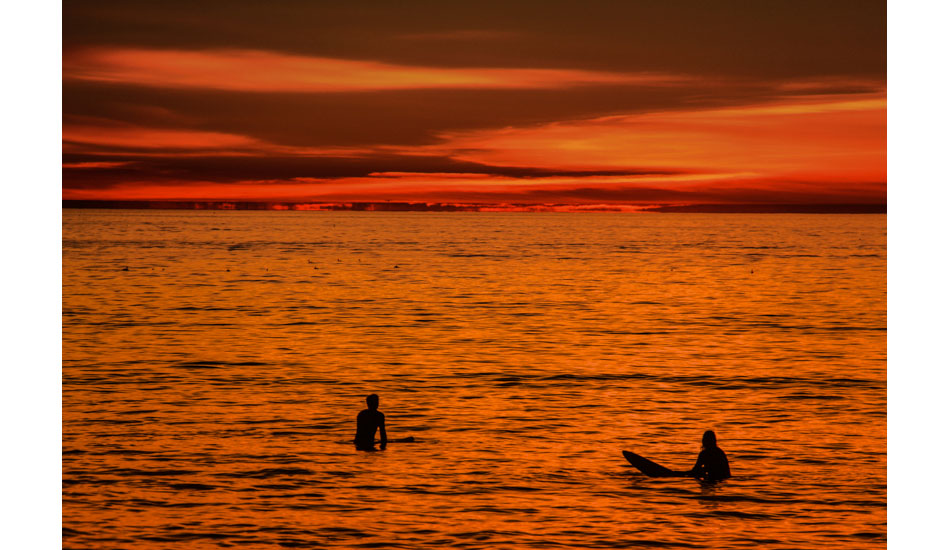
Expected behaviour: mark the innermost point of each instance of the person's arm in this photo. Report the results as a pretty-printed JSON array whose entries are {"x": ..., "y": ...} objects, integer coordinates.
[
  {"x": 382, "y": 430},
  {"x": 697, "y": 470}
]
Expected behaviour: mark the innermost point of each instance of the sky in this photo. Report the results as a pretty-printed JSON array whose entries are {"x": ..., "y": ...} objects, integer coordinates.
[{"x": 639, "y": 103}]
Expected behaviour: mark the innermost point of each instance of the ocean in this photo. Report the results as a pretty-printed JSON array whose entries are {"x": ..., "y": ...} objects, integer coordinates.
[{"x": 214, "y": 363}]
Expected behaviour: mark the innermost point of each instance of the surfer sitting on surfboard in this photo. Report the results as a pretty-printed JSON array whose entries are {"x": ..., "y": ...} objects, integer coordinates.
[
  {"x": 366, "y": 423},
  {"x": 711, "y": 464}
]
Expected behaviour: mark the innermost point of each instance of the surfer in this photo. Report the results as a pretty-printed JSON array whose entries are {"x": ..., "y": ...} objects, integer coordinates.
[
  {"x": 711, "y": 464},
  {"x": 366, "y": 423}
]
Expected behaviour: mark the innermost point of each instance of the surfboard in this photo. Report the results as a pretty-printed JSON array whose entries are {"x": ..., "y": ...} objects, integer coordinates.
[{"x": 648, "y": 467}]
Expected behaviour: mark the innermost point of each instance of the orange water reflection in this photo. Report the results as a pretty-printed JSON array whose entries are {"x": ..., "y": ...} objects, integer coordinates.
[{"x": 210, "y": 391}]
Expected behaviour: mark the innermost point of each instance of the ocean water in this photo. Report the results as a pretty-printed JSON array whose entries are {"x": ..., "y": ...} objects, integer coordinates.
[{"x": 210, "y": 389}]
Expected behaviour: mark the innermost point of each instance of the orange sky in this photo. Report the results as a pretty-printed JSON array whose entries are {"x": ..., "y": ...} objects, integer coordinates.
[{"x": 162, "y": 104}]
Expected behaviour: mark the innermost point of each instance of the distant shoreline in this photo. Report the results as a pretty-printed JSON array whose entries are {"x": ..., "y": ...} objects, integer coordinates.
[{"x": 446, "y": 207}]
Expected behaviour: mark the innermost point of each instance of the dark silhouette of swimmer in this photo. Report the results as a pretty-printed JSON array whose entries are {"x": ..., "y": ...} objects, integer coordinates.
[
  {"x": 366, "y": 423},
  {"x": 711, "y": 464}
]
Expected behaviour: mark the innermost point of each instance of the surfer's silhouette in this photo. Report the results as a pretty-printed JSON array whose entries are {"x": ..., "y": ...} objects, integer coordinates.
[
  {"x": 366, "y": 423},
  {"x": 711, "y": 464}
]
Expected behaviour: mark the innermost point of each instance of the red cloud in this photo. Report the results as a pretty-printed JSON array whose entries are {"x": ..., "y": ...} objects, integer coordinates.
[
  {"x": 823, "y": 139},
  {"x": 261, "y": 71}
]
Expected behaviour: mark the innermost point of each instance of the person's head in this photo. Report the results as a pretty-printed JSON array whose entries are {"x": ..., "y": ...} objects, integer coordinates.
[
  {"x": 372, "y": 401},
  {"x": 709, "y": 439}
]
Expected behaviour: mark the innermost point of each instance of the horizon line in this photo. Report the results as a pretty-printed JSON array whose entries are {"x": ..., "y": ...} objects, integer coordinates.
[{"x": 392, "y": 206}]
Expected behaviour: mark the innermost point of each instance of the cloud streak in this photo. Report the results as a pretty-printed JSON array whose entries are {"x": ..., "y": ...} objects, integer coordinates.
[
  {"x": 824, "y": 138},
  {"x": 263, "y": 71}
]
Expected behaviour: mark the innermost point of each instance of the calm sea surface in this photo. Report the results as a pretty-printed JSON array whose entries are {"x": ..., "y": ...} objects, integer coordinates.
[{"x": 210, "y": 391}]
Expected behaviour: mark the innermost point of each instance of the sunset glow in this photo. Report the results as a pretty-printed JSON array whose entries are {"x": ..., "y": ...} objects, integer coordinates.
[
  {"x": 816, "y": 140},
  {"x": 246, "y": 120},
  {"x": 498, "y": 274}
]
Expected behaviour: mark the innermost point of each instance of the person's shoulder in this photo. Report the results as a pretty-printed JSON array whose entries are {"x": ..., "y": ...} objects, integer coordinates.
[{"x": 715, "y": 452}]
